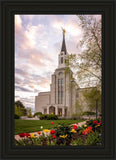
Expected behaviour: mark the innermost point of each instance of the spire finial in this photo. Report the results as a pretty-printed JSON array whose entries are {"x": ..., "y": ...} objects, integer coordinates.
[
  {"x": 63, "y": 42},
  {"x": 63, "y": 30}
]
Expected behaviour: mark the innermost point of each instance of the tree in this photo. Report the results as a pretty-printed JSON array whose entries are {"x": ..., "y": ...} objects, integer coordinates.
[
  {"x": 21, "y": 107},
  {"x": 87, "y": 64},
  {"x": 91, "y": 96},
  {"x": 78, "y": 109},
  {"x": 29, "y": 113},
  {"x": 19, "y": 103},
  {"x": 18, "y": 111}
]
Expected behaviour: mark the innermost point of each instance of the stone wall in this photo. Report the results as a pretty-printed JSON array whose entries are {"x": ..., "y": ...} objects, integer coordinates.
[{"x": 42, "y": 100}]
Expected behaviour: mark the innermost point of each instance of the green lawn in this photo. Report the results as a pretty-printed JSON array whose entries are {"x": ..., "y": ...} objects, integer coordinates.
[{"x": 34, "y": 125}]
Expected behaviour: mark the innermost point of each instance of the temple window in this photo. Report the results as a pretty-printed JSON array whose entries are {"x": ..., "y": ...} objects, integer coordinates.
[
  {"x": 61, "y": 60},
  {"x": 60, "y": 91}
]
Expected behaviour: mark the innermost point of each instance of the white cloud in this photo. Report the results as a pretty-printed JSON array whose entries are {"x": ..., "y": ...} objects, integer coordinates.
[
  {"x": 34, "y": 35},
  {"x": 37, "y": 46},
  {"x": 71, "y": 26},
  {"x": 35, "y": 52},
  {"x": 73, "y": 30}
]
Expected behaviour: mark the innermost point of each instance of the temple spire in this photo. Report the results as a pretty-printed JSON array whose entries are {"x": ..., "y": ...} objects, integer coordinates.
[
  {"x": 63, "y": 48},
  {"x": 63, "y": 53}
]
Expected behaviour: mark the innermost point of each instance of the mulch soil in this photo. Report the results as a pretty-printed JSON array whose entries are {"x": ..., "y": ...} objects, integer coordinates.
[{"x": 78, "y": 135}]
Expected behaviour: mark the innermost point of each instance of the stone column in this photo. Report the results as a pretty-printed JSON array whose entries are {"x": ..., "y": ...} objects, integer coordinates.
[
  {"x": 56, "y": 110},
  {"x": 47, "y": 110},
  {"x": 42, "y": 110},
  {"x": 63, "y": 111}
]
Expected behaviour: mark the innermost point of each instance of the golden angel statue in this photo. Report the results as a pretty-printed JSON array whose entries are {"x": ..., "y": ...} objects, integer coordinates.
[{"x": 63, "y": 31}]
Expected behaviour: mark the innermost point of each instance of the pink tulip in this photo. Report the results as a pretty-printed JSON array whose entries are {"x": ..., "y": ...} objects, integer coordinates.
[{"x": 52, "y": 122}]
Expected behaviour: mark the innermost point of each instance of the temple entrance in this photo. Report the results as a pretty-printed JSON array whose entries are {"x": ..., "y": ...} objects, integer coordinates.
[
  {"x": 59, "y": 111},
  {"x": 52, "y": 110}
]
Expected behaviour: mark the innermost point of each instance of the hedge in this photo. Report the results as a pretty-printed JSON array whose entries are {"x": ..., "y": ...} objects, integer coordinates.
[
  {"x": 37, "y": 114},
  {"x": 48, "y": 117},
  {"x": 89, "y": 113}
]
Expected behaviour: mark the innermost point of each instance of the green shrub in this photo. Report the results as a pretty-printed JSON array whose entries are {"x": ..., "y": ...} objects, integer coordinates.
[
  {"x": 93, "y": 138},
  {"x": 48, "y": 117},
  {"x": 16, "y": 116},
  {"x": 37, "y": 114},
  {"x": 74, "y": 118},
  {"x": 43, "y": 117},
  {"x": 88, "y": 113},
  {"x": 63, "y": 130},
  {"x": 63, "y": 118},
  {"x": 77, "y": 142}
]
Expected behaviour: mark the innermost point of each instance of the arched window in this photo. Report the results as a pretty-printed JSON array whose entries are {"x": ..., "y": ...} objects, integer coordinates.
[
  {"x": 60, "y": 73},
  {"x": 61, "y": 60}
]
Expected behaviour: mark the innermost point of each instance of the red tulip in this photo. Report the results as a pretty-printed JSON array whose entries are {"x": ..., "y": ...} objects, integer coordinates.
[
  {"x": 99, "y": 123},
  {"x": 52, "y": 132},
  {"x": 89, "y": 127},
  {"x": 75, "y": 126},
  {"x": 53, "y": 136},
  {"x": 22, "y": 134},
  {"x": 83, "y": 133},
  {"x": 95, "y": 122},
  {"x": 27, "y": 135}
]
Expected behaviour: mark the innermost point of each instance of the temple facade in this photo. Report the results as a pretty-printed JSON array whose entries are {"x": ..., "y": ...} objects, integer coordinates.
[{"x": 64, "y": 91}]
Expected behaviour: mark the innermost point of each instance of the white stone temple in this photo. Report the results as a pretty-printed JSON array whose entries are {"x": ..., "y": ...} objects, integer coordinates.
[{"x": 64, "y": 91}]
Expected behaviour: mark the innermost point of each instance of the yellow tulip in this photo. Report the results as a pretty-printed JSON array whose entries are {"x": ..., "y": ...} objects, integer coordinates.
[
  {"x": 32, "y": 135},
  {"x": 46, "y": 130},
  {"x": 63, "y": 136},
  {"x": 97, "y": 125},
  {"x": 73, "y": 130}
]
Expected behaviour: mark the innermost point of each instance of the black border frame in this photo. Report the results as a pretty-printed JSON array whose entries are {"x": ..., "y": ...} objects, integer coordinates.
[{"x": 8, "y": 9}]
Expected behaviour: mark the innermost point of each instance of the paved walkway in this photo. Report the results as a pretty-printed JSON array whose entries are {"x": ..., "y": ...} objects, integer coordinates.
[
  {"x": 17, "y": 137},
  {"x": 82, "y": 123}
]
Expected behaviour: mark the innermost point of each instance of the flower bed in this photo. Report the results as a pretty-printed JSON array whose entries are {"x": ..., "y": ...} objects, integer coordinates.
[{"x": 88, "y": 134}]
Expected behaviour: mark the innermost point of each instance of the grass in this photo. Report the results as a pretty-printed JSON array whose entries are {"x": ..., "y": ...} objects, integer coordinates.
[{"x": 27, "y": 126}]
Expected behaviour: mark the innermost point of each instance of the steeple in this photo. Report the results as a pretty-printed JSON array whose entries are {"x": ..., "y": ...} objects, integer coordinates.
[
  {"x": 63, "y": 49},
  {"x": 63, "y": 53}
]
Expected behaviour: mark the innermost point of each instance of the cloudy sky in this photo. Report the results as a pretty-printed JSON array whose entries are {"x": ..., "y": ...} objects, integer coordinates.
[{"x": 38, "y": 40}]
